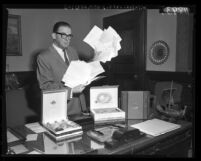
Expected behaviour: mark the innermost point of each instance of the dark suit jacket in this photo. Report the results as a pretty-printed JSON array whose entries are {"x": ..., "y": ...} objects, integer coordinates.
[{"x": 50, "y": 70}]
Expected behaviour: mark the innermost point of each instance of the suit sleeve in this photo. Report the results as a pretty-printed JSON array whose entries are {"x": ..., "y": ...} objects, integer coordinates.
[{"x": 45, "y": 77}]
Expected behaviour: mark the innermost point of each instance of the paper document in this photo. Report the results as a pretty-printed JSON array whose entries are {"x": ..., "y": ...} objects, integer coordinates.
[
  {"x": 35, "y": 127},
  {"x": 156, "y": 127},
  {"x": 106, "y": 44},
  {"x": 96, "y": 145},
  {"x": 81, "y": 73},
  {"x": 31, "y": 137},
  {"x": 34, "y": 152},
  {"x": 11, "y": 137},
  {"x": 93, "y": 36},
  {"x": 20, "y": 148}
]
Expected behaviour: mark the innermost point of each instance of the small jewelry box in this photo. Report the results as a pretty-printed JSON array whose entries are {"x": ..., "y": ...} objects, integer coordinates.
[
  {"x": 54, "y": 115},
  {"x": 104, "y": 105}
]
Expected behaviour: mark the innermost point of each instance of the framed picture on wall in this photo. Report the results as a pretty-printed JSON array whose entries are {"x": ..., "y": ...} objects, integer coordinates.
[{"x": 14, "y": 36}]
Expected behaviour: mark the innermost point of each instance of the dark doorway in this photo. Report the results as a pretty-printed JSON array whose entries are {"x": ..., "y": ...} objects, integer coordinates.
[{"x": 128, "y": 69}]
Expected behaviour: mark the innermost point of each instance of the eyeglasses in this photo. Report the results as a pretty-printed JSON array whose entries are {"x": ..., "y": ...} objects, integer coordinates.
[{"x": 65, "y": 36}]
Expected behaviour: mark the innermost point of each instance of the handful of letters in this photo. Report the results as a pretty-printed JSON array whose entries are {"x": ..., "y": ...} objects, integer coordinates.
[
  {"x": 106, "y": 44},
  {"x": 82, "y": 73}
]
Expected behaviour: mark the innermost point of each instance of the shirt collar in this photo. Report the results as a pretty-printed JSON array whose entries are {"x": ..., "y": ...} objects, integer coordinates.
[{"x": 59, "y": 50}]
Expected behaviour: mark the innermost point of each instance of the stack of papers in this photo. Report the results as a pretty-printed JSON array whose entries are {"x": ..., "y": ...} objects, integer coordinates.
[
  {"x": 155, "y": 127},
  {"x": 81, "y": 73},
  {"x": 106, "y": 44}
]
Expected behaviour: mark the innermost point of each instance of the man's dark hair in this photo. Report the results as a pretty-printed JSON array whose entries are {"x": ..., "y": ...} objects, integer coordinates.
[{"x": 59, "y": 24}]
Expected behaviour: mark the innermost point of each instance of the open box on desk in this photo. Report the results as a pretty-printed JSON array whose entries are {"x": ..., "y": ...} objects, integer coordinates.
[
  {"x": 104, "y": 105},
  {"x": 54, "y": 115}
]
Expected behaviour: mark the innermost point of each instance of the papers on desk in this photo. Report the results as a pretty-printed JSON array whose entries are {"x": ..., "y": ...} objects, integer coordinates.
[
  {"x": 11, "y": 137},
  {"x": 31, "y": 137},
  {"x": 82, "y": 73},
  {"x": 106, "y": 44},
  {"x": 14, "y": 137},
  {"x": 95, "y": 145},
  {"x": 34, "y": 152},
  {"x": 156, "y": 127},
  {"x": 19, "y": 149},
  {"x": 35, "y": 127}
]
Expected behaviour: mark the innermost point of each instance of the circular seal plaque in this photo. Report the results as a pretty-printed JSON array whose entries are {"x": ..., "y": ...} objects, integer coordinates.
[
  {"x": 159, "y": 52},
  {"x": 103, "y": 98}
]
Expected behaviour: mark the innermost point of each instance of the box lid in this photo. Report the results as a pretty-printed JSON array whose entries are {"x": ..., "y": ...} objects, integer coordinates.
[
  {"x": 54, "y": 105},
  {"x": 104, "y": 97}
]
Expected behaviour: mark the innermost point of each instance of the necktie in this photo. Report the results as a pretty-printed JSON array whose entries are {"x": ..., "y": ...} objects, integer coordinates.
[{"x": 65, "y": 57}]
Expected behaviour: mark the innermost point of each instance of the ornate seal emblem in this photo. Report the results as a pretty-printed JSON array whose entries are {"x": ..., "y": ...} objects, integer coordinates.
[
  {"x": 103, "y": 98},
  {"x": 159, "y": 52},
  {"x": 53, "y": 102}
]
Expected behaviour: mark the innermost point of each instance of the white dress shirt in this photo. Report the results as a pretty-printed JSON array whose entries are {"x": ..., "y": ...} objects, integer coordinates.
[{"x": 60, "y": 51}]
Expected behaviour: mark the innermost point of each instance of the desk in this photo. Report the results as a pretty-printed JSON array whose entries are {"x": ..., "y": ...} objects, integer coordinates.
[{"x": 172, "y": 144}]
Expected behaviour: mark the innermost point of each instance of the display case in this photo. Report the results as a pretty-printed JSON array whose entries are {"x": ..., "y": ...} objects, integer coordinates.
[
  {"x": 54, "y": 115},
  {"x": 104, "y": 105}
]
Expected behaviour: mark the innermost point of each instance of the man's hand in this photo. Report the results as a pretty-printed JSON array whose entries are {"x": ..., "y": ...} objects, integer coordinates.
[{"x": 78, "y": 89}]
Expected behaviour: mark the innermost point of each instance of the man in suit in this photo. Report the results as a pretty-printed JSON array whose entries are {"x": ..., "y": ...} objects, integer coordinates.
[{"x": 53, "y": 63}]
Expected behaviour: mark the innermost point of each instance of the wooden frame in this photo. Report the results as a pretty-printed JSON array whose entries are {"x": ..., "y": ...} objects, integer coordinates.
[{"x": 14, "y": 36}]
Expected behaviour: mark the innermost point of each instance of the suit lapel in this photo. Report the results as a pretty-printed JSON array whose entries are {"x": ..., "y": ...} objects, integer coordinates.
[{"x": 57, "y": 56}]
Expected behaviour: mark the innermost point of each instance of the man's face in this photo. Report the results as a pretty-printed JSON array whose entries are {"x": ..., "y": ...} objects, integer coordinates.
[{"x": 62, "y": 37}]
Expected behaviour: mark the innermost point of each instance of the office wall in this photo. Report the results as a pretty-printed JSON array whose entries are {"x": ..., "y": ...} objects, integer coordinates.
[
  {"x": 177, "y": 32},
  {"x": 161, "y": 27},
  {"x": 36, "y": 28}
]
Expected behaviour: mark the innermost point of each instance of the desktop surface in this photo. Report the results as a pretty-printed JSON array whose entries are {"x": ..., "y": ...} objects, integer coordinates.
[{"x": 171, "y": 144}]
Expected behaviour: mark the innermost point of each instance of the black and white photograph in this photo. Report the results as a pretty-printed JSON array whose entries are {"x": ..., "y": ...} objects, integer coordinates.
[{"x": 125, "y": 67}]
